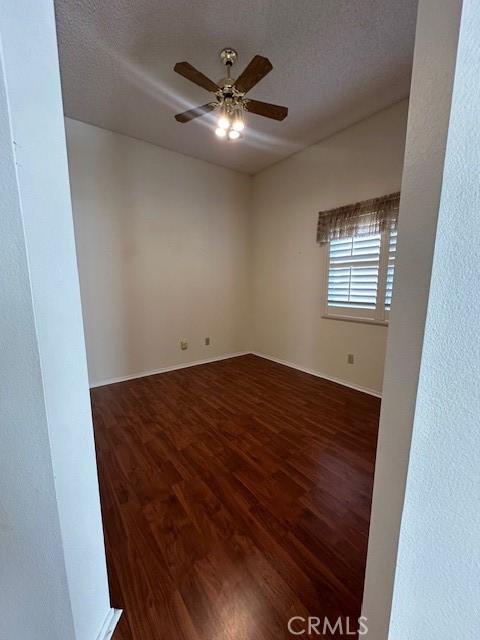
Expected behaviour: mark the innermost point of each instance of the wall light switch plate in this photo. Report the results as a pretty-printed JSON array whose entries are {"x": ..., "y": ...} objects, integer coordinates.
[{"x": 183, "y": 345}]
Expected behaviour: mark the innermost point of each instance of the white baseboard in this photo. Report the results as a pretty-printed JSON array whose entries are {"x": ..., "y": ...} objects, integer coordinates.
[
  {"x": 108, "y": 627},
  {"x": 185, "y": 365},
  {"x": 182, "y": 365},
  {"x": 319, "y": 374}
]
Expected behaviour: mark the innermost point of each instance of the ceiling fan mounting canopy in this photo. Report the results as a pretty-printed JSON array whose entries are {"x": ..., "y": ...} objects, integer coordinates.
[
  {"x": 228, "y": 56},
  {"x": 231, "y": 102}
]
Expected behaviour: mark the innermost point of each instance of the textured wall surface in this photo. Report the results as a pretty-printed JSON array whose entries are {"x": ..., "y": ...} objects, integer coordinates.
[
  {"x": 288, "y": 266},
  {"x": 28, "y": 504},
  {"x": 53, "y": 573},
  {"x": 170, "y": 247},
  {"x": 430, "y": 99},
  {"x": 163, "y": 245},
  {"x": 437, "y": 586}
]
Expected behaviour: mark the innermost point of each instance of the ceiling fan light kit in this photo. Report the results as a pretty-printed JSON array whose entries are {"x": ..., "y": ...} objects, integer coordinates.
[{"x": 231, "y": 103}]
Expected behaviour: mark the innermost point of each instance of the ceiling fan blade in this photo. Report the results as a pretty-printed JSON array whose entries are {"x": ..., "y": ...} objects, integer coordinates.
[
  {"x": 191, "y": 114},
  {"x": 266, "y": 109},
  {"x": 189, "y": 72},
  {"x": 255, "y": 70}
]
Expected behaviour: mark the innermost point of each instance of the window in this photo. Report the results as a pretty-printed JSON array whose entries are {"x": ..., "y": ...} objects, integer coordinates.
[{"x": 360, "y": 276}]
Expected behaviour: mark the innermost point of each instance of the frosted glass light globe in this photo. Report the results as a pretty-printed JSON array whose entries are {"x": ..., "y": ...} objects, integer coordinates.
[
  {"x": 223, "y": 122},
  {"x": 238, "y": 125}
]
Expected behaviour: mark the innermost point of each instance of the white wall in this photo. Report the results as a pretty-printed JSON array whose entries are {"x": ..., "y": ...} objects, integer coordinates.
[
  {"x": 360, "y": 162},
  {"x": 170, "y": 247},
  {"x": 29, "y": 510},
  {"x": 437, "y": 586},
  {"x": 430, "y": 100},
  {"x": 53, "y": 581},
  {"x": 162, "y": 243}
]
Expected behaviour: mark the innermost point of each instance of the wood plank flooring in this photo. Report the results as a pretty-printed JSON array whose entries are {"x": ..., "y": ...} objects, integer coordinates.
[{"x": 235, "y": 495}]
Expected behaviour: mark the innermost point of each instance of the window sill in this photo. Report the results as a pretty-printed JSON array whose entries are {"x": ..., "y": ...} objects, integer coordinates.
[{"x": 379, "y": 323}]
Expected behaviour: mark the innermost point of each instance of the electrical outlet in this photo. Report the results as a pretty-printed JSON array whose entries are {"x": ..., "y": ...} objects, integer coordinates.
[
  {"x": 350, "y": 358},
  {"x": 183, "y": 345},
  {"x": 207, "y": 342}
]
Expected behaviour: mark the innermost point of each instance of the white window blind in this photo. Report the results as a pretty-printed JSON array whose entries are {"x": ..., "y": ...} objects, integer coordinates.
[
  {"x": 392, "y": 248},
  {"x": 353, "y": 274},
  {"x": 360, "y": 276}
]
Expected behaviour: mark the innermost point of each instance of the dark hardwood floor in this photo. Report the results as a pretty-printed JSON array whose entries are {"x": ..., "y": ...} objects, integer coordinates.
[{"x": 235, "y": 495}]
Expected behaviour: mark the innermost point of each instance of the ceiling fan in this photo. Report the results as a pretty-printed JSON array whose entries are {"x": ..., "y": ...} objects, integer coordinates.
[{"x": 231, "y": 103}]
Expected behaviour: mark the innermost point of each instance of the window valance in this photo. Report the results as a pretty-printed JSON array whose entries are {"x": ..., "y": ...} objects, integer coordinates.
[{"x": 362, "y": 218}]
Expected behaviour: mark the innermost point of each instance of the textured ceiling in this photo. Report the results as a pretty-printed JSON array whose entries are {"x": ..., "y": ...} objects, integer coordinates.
[{"x": 334, "y": 63}]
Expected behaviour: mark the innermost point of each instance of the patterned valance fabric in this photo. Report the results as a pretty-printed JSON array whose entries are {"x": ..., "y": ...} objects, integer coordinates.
[{"x": 362, "y": 218}]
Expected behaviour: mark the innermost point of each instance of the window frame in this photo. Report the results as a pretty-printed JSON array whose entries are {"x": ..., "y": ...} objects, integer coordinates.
[{"x": 378, "y": 316}]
